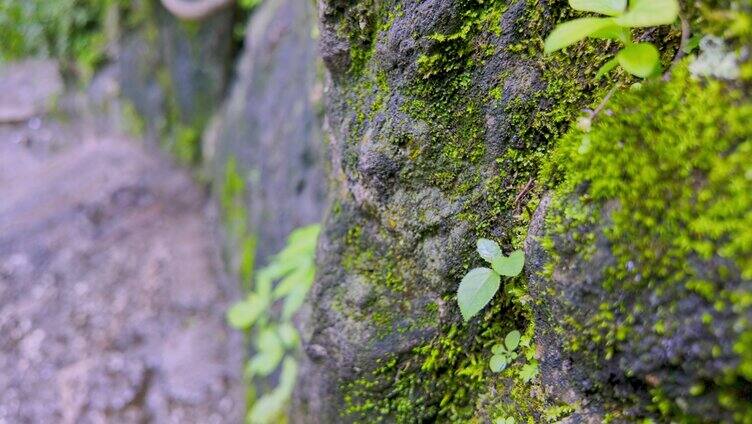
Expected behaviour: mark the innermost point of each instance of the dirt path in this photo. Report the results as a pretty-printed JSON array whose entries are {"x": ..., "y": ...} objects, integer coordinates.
[{"x": 112, "y": 292}]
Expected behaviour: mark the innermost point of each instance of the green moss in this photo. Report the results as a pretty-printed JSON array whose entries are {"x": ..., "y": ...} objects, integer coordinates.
[
  {"x": 459, "y": 50},
  {"x": 445, "y": 378},
  {"x": 360, "y": 24},
  {"x": 675, "y": 157}
]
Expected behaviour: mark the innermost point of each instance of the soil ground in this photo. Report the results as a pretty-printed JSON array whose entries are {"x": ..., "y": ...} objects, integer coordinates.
[{"x": 112, "y": 289}]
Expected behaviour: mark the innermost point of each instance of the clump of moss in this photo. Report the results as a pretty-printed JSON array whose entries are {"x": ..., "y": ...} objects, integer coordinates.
[{"x": 666, "y": 176}]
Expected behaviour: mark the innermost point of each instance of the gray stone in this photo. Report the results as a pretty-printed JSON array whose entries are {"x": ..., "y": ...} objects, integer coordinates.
[{"x": 270, "y": 125}]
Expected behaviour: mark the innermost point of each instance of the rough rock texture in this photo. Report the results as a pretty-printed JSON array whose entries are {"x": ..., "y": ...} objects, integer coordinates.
[
  {"x": 441, "y": 115},
  {"x": 112, "y": 291},
  {"x": 267, "y": 134}
]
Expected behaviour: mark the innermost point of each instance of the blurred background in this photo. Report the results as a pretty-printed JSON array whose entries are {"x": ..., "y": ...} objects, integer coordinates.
[{"x": 152, "y": 154}]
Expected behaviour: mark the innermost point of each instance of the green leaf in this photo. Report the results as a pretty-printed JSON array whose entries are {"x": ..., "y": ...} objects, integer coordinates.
[
  {"x": 288, "y": 376},
  {"x": 604, "y": 7},
  {"x": 243, "y": 314},
  {"x": 613, "y": 32},
  {"x": 288, "y": 334},
  {"x": 509, "y": 420},
  {"x": 476, "y": 289},
  {"x": 528, "y": 372},
  {"x": 641, "y": 60},
  {"x": 498, "y": 349},
  {"x": 512, "y": 340},
  {"x": 571, "y": 32},
  {"x": 693, "y": 43},
  {"x": 488, "y": 249},
  {"x": 293, "y": 301},
  {"x": 300, "y": 276},
  {"x": 509, "y": 266},
  {"x": 270, "y": 408},
  {"x": 270, "y": 353},
  {"x": 606, "y": 68},
  {"x": 646, "y": 13},
  {"x": 497, "y": 363}
]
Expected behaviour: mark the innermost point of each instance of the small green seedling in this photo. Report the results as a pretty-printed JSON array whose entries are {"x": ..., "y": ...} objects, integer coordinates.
[
  {"x": 504, "y": 354},
  {"x": 479, "y": 285},
  {"x": 505, "y": 420},
  {"x": 640, "y": 59}
]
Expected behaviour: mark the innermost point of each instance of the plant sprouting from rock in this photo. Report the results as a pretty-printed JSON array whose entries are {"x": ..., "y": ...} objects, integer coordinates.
[
  {"x": 504, "y": 353},
  {"x": 480, "y": 285},
  {"x": 286, "y": 279},
  {"x": 640, "y": 59}
]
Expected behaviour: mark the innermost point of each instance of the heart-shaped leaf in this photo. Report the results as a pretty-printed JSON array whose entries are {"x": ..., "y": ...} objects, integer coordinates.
[
  {"x": 645, "y": 13},
  {"x": 509, "y": 266},
  {"x": 573, "y": 31},
  {"x": 512, "y": 340},
  {"x": 476, "y": 289},
  {"x": 488, "y": 249},
  {"x": 641, "y": 60},
  {"x": 497, "y": 363},
  {"x": 604, "y": 7}
]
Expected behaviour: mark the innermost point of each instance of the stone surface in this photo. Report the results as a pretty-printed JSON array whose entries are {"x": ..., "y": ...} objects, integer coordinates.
[
  {"x": 440, "y": 116},
  {"x": 28, "y": 88},
  {"x": 396, "y": 243},
  {"x": 270, "y": 126},
  {"x": 176, "y": 72}
]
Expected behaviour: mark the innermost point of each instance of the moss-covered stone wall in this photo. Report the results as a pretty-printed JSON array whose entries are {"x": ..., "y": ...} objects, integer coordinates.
[{"x": 446, "y": 124}]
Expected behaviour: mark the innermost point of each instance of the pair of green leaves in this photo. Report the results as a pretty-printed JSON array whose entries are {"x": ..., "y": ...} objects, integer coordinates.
[
  {"x": 480, "y": 285},
  {"x": 639, "y": 59},
  {"x": 504, "y": 354},
  {"x": 505, "y": 420}
]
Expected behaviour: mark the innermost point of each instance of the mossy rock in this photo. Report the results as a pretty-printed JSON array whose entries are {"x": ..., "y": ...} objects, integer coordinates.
[
  {"x": 646, "y": 286},
  {"x": 441, "y": 117}
]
